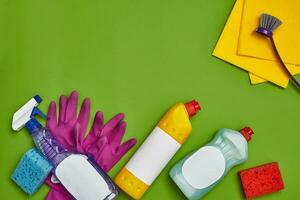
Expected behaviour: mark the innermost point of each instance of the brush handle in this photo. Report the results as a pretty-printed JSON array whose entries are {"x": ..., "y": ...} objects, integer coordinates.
[{"x": 286, "y": 70}]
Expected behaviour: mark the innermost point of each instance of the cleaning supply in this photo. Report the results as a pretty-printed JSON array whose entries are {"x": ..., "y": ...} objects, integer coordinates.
[
  {"x": 228, "y": 43},
  {"x": 268, "y": 24},
  {"x": 287, "y": 38},
  {"x": 156, "y": 151},
  {"x": 261, "y": 180},
  {"x": 78, "y": 173},
  {"x": 31, "y": 171},
  {"x": 200, "y": 171},
  {"x": 103, "y": 141}
]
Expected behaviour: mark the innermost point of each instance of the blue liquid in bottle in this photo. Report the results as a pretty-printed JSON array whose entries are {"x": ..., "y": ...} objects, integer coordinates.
[{"x": 78, "y": 173}]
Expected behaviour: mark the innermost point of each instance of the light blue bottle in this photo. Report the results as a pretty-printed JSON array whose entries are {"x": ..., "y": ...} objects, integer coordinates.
[{"x": 201, "y": 170}]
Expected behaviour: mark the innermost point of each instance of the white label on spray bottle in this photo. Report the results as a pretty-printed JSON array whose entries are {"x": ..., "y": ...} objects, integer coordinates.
[
  {"x": 204, "y": 167},
  {"x": 81, "y": 179},
  {"x": 153, "y": 155}
]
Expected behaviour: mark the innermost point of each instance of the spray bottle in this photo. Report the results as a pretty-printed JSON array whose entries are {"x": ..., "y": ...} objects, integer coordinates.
[
  {"x": 200, "y": 171},
  {"x": 156, "y": 151},
  {"x": 78, "y": 173}
]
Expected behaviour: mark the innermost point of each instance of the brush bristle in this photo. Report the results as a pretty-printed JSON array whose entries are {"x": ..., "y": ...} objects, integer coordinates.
[{"x": 269, "y": 22}]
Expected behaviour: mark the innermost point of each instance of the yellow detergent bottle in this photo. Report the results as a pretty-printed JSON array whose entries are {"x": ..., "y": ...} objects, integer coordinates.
[{"x": 156, "y": 151}]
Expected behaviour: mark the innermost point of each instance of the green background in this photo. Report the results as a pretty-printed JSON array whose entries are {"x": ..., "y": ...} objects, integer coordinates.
[{"x": 140, "y": 57}]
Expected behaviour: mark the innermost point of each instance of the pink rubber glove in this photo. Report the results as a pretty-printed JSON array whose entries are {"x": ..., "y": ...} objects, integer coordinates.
[
  {"x": 103, "y": 141},
  {"x": 63, "y": 128}
]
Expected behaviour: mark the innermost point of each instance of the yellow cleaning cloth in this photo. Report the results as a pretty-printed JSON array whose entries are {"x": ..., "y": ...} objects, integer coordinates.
[
  {"x": 255, "y": 79},
  {"x": 286, "y": 36},
  {"x": 227, "y": 45}
]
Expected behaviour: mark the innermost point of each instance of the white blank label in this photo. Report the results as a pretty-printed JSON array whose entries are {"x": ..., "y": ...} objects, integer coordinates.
[
  {"x": 204, "y": 167},
  {"x": 81, "y": 179},
  {"x": 153, "y": 156}
]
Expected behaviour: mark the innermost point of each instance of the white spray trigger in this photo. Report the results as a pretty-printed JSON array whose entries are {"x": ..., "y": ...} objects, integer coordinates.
[{"x": 26, "y": 112}]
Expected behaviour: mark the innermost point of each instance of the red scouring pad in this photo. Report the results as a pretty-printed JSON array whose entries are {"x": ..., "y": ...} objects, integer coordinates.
[{"x": 261, "y": 180}]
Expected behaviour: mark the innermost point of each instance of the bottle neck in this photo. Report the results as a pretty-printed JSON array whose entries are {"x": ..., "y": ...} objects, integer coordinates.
[
  {"x": 192, "y": 108},
  {"x": 32, "y": 125},
  {"x": 247, "y": 132},
  {"x": 46, "y": 143}
]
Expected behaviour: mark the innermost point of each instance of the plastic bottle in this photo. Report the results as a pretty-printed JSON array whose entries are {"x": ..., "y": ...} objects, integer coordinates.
[
  {"x": 78, "y": 173},
  {"x": 201, "y": 170},
  {"x": 156, "y": 151}
]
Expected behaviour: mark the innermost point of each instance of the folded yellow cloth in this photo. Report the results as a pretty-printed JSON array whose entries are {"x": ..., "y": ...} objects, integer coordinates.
[
  {"x": 287, "y": 36},
  {"x": 254, "y": 79},
  {"x": 227, "y": 45}
]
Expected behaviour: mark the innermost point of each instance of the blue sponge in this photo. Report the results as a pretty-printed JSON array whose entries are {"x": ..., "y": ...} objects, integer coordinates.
[{"x": 31, "y": 171}]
